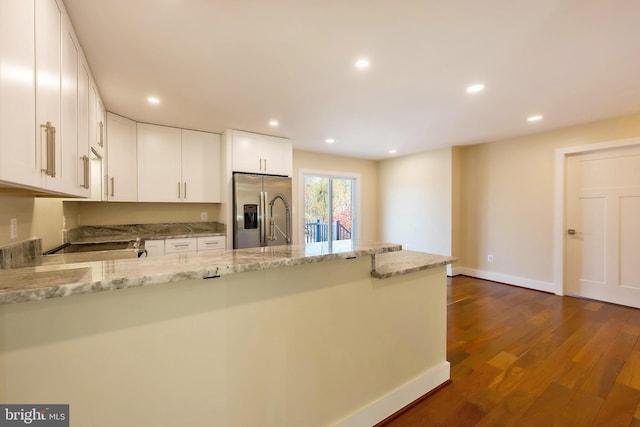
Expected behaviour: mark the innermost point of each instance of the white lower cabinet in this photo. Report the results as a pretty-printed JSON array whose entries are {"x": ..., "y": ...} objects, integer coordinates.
[
  {"x": 184, "y": 245},
  {"x": 179, "y": 246},
  {"x": 211, "y": 243},
  {"x": 154, "y": 247}
]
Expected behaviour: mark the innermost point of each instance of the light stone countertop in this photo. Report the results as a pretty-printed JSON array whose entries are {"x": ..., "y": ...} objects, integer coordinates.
[
  {"x": 80, "y": 273},
  {"x": 403, "y": 262},
  {"x": 64, "y": 275}
]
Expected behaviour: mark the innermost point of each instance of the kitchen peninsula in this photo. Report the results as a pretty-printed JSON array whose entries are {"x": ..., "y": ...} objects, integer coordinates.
[{"x": 282, "y": 336}]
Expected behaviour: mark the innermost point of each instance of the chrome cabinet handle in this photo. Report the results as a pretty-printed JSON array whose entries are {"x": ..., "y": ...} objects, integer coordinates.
[
  {"x": 178, "y": 189},
  {"x": 185, "y": 191},
  {"x": 85, "y": 165},
  {"x": 50, "y": 131},
  {"x": 265, "y": 165},
  {"x": 113, "y": 186}
]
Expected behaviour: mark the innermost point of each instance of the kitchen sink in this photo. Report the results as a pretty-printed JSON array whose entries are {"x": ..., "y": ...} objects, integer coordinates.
[
  {"x": 77, "y": 247},
  {"x": 101, "y": 246}
]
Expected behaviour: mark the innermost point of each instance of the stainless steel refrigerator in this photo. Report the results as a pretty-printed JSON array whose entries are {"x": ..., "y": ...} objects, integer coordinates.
[{"x": 261, "y": 210}]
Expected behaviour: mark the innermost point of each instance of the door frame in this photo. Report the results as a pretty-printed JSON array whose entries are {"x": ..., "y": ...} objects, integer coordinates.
[{"x": 560, "y": 222}]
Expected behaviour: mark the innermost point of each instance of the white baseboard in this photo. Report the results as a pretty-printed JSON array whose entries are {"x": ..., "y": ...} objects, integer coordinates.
[
  {"x": 537, "y": 285},
  {"x": 397, "y": 399}
]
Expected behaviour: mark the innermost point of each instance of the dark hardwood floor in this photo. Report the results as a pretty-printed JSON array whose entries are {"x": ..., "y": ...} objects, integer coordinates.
[{"x": 526, "y": 358}]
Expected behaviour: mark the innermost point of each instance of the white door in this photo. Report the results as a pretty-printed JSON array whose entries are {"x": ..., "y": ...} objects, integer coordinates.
[{"x": 603, "y": 226}]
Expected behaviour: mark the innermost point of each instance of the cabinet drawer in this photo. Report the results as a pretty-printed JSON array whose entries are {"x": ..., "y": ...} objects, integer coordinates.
[
  {"x": 172, "y": 246},
  {"x": 154, "y": 247},
  {"x": 211, "y": 243}
]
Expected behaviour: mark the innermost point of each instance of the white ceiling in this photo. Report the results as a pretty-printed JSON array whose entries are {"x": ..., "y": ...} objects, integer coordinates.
[{"x": 218, "y": 64}]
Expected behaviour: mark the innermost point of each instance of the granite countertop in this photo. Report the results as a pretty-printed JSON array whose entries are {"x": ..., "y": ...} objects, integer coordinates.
[
  {"x": 403, "y": 262},
  {"x": 124, "y": 232},
  {"x": 49, "y": 279},
  {"x": 80, "y": 273}
]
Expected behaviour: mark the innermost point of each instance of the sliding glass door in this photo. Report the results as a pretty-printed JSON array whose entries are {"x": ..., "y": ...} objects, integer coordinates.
[{"x": 329, "y": 208}]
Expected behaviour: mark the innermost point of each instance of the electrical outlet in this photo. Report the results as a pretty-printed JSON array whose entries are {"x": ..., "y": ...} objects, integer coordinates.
[
  {"x": 490, "y": 258},
  {"x": 203, "y": 216},
  {"x": 14, "y": 228}
]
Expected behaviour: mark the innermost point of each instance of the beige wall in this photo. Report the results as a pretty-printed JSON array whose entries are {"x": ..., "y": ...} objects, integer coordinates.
[
  {"x": 109, "y": 213},
  {"x": 416, "y": 201},
  {"x": 507, "y": 198},
  {"x": 45, "y": 217},
  {"x": 18, "y": 206},
  {"x": 368, "y": 173}
]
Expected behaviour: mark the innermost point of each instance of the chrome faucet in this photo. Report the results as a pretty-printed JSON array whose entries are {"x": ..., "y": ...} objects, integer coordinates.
[{"x": 272, "y": 224}]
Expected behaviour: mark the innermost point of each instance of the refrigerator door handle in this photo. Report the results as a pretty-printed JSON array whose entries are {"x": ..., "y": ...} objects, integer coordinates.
[{"x": 262, "y": 223}]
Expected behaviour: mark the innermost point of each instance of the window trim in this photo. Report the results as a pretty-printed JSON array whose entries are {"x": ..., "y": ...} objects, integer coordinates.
[{"x": 302, "y": 173}]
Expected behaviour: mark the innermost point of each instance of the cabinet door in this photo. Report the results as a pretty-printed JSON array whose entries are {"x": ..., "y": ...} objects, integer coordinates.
[
  {"x": 255, "y": 153},
  {"x": 18, "y": 151},
  {"x": 246, "y": 152},
  {"x": 48, "y": 18},
  {"x": 201, "y": 167},
  {"x": 277, "y": 156},
  {"x": 100, "y": 140},
  {"x": 68, "y": 137},
  {"x": 122, "y": 177},
  {"x": 159, "y": 164},
  {"x": 83, "y": 178},
  {"x": 96, "y": 120}
]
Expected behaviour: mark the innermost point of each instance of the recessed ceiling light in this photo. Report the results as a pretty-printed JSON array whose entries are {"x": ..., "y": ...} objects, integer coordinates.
[
  {"x": 479, "y": 87},
  {"x": 273, "y": 123},
  {"x": 362, "y": 63},
  {"x": 329, "y": 140},
  {"x": 393, "y": 151},
  {"x": 534, "y": 118},
  {"x": 153, "y": 100}
]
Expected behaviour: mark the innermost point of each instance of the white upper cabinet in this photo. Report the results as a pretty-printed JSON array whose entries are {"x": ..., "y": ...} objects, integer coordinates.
[
  {"x": 43, "y": 86},
  {"x": 122, "y": 179},
  {"x": 201, "y": 166},
  {"x": 73, "y": 151},
  {"x": 48, "y": 20},
  {"x": 177, "y": 165},
  {"x": 19, "y": 154},
  {"x": 97, "y": 120},
  {"x": 255, "y": 153},
  {"x": 83, "y": 169},
  {"x": 159, "y": 166}
]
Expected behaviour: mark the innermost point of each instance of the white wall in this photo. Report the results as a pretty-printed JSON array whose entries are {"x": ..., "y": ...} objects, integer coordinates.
[{"x": 416, "y": 196}]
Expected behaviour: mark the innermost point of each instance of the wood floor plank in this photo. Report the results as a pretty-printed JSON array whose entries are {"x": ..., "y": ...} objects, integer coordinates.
[
  {"x": 630, "y": 373},
  {"x": 526, "y": 358},
  {"x": 619, "y": 407}
]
